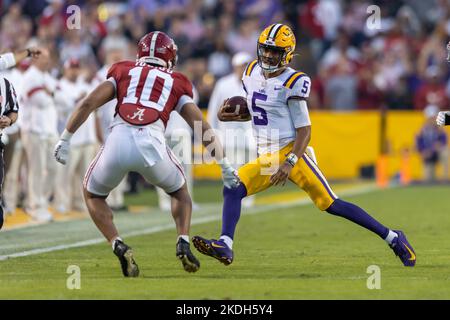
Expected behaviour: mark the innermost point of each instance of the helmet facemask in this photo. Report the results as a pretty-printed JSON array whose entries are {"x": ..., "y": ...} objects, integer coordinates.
[
  {"x": 276, "y": 59},
  {"x": 154, "y": 61}
]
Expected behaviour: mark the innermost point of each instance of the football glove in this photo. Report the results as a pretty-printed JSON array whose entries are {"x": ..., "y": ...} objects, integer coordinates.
[
  {"x": 443, "y": 118},
  {"x": 229, "y": 174},
  {"x": 62, "y": 150}
]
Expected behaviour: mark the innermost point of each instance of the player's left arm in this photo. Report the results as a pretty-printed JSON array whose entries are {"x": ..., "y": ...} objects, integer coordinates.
[
  {"x": 298, "y": 109},
  {"x": 302, "y": 139},
  {"x": 105, "y": 92}
]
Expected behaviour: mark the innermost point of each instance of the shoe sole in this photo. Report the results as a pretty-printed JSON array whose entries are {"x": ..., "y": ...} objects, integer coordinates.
[
  {"x": 206, "y": 249},
  {"x": 187, "y": 264},
  {"x": 129, "y": 266}
]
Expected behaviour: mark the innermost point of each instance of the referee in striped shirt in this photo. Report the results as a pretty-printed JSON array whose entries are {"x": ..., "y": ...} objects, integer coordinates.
[{"x": 9, "y": 108}]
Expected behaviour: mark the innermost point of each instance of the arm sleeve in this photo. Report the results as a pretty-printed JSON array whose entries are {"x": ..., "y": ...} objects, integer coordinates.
[
  {"x": 299, "y": 113},
  {"x": 7, "y": 60},
  {"x": 11, "y": 101},
  {"x": 301, "y": 88}
]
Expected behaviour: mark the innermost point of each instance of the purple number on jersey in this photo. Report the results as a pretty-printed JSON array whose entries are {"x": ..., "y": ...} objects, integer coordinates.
[{"x": 261, "y": 119}]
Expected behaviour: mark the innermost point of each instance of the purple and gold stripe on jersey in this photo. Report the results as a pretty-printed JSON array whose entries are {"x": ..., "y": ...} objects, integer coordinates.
[
  {"x": 292, "y": 79},
  {"x": 319, "y": 175},
  {"x": 250, "y": 68}
]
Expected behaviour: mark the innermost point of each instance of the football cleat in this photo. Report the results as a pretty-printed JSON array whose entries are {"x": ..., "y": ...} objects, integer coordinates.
[
  {"x": 125, "y": 255},
  {"x": 189, "y": 261},
  {"x": 214, "y": 248},
  {"x": 403, "y": 249}
]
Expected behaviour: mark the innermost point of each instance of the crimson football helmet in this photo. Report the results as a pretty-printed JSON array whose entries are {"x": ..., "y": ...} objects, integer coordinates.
[{"x": 157, "y": 48}]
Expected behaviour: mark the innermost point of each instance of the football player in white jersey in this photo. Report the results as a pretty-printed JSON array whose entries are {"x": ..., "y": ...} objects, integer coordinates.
[{"x": 277, "y": 99}]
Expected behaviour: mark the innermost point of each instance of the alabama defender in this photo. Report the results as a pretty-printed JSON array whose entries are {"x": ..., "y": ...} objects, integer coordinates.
[
  {"x": 276, "y": 96},
  {"x": 147, "y": 91}
]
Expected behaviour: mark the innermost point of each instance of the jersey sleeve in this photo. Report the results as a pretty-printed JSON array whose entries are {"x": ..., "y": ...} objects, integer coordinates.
[
  {"x": 298, "y": 86},
  {"x": 299, "y": 113},
  {"x": 186, "y": 88},
  {"x": 247, "y": 73},
  {"x": 185, "y": 92},
  {"x": 114, "y": 73}
]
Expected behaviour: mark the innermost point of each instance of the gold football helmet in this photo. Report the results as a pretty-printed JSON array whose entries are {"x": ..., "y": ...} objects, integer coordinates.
[{"x": 280, "y": 40}]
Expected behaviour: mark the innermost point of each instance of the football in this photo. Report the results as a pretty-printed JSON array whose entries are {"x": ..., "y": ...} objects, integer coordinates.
[{"x": 237, "y": 105}]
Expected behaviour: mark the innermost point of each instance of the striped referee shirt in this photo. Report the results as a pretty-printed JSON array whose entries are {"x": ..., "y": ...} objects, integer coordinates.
[{"x": 8, "y": 97}]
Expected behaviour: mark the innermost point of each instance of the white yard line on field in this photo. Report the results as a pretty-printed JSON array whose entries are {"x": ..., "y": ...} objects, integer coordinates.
[{"x": 209, "y": 218}]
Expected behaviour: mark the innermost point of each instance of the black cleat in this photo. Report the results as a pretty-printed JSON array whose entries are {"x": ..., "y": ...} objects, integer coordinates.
[
  {"x": 189, "y": 261},
  {"x": 125, "y": 255}
]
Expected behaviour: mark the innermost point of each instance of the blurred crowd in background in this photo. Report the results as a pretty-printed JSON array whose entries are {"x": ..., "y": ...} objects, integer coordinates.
[
  {"x": 400, "y": 65},
  {"x": 398, "y": 62}
]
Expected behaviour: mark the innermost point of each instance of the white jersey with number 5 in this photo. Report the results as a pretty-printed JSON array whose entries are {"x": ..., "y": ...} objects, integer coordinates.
[{"x": 273, "y": 119}]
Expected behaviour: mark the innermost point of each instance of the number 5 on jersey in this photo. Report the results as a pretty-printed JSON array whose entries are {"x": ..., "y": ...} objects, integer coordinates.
[{"x": 260, "y": 119}]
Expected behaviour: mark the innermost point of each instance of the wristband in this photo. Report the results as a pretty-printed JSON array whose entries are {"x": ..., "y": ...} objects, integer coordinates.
[
  {"x": 66, "y": 135},
  {"x": 292, "y": 159}
]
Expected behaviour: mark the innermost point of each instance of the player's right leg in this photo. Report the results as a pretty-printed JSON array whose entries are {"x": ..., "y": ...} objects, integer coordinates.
[
  {"x": 102, "y": 216},
  {"x": 106, "y": 171}
]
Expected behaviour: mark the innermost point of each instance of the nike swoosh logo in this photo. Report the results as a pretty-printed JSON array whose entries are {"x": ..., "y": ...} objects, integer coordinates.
[
  {"x": 413, "y": 256},
  {"x": 216, "y": 245}
]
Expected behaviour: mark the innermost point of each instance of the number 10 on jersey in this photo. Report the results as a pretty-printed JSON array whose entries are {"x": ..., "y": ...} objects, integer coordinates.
[{"x": 154, "y": 92}]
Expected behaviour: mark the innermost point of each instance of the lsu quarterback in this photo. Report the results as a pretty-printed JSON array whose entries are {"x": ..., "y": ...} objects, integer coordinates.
[{"x": 277, "y": 99}]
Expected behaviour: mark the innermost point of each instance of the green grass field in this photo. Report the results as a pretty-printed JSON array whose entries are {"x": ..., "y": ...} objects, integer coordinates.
[{"x": 282, "y": 251}]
